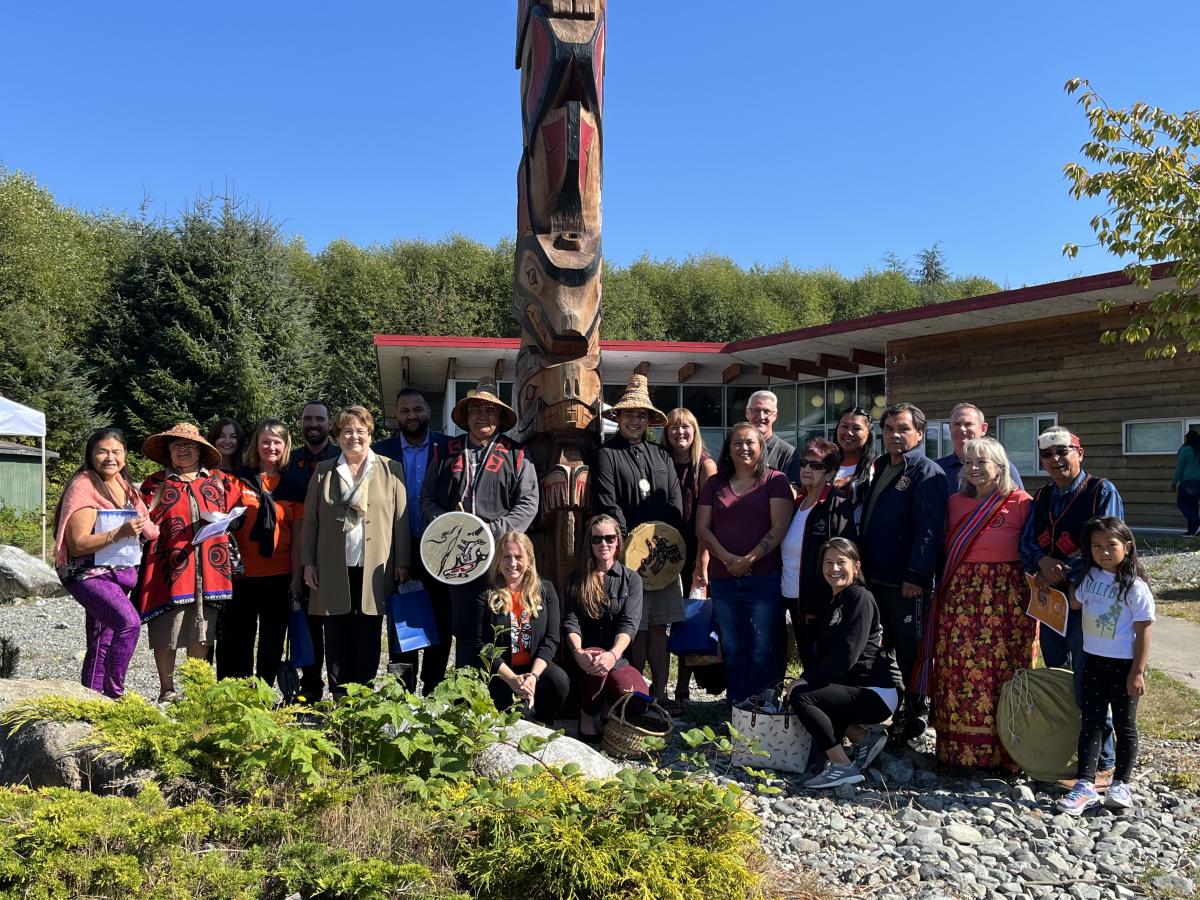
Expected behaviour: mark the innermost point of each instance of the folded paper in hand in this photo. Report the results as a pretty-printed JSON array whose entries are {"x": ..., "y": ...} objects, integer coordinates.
[{"x": 218, "y": 523}]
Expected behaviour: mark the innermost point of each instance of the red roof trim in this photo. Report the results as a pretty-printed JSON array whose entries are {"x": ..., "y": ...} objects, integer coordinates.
[
  {"x": 1052, "y": 289},
  {"x": 457, "y": 342}
]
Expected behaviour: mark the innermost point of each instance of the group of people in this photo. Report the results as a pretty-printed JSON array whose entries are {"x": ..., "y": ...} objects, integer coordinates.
[{"x": 904, "y": 578}]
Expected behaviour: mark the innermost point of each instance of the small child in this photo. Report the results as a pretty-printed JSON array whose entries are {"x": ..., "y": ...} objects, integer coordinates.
[{"x": 1118, "y": 610}]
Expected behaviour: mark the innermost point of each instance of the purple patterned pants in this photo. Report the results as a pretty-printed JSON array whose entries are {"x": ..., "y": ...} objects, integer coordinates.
[{"x": 112, "y": 628}]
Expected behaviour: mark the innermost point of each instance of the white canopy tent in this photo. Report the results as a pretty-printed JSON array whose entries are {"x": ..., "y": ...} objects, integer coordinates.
[{"x": 21, "y": 420}]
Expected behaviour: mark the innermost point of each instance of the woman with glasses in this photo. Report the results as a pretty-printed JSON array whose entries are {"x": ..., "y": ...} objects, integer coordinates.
[
  {"x": 979, "y": 633},
  {"x": 743, "y": 514},
  {"x": 355, "y": 548},
  {"x": 603, "y": 611},
  {"x": 822, "y": 512}
]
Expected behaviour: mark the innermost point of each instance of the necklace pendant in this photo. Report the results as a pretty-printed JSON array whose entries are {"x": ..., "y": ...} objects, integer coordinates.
[{"x": 644, "y": 487}]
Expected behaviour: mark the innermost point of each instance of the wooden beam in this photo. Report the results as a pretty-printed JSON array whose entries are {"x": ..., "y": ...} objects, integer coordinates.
[
  {"x": 405, "y": 378},
  {"x": 841, "y": 363},
  {"x": 773, "y": 370},
  {"x": 804, "y": 367},
  {"x": 449, "y": 369},
  {"x": 642, "y": 368},
  {"x": 735, "y": 370},
  {"x": 868, "y": 358},
  {"x": 499, "y": 369},
  {"x": 686, "y": 371}
]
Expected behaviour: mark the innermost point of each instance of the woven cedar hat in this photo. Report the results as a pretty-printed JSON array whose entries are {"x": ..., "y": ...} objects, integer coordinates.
[
  {"x": 637, "y": 396},
  {"x": 155, "y": 447},
  {"x": 487, "y": 390}
]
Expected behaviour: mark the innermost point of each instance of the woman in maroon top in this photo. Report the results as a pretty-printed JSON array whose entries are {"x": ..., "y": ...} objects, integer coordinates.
[{"x": 742, "y": 516}]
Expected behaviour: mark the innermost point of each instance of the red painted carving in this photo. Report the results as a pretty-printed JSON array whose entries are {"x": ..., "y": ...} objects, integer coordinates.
[{"x": 560, "y": 51}]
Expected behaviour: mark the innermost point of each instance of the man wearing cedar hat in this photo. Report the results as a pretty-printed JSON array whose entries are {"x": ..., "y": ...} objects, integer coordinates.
[
  {"x": 489, "y": 475},
  {"x": 1050, "y": 551}
]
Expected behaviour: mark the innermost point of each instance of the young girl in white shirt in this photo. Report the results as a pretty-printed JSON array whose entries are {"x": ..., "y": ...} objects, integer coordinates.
[{"x": 1118, "y": 610}]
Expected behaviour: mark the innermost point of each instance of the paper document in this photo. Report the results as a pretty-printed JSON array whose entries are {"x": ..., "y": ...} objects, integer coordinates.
[
  {"x": 218, "y": 523},
  {"x": 122, "y": 553}
]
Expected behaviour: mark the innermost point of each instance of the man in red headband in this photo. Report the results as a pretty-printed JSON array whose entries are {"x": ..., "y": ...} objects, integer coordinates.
[{"x": 1050, "y": 551}]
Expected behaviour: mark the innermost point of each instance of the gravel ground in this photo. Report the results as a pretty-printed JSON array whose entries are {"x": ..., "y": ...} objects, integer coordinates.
[{"x": 910, "y": 831}]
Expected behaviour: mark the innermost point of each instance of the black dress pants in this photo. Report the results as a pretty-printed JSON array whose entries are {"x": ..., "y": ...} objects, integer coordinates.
[
  {"x": 552, "y": 689},
  {"x": 353, "y": 641},
  {"x": 259, "y": 607},
  {"x": 466, "y": 611}
]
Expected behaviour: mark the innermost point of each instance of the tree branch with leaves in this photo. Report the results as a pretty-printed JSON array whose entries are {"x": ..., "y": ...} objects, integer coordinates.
[{"x": 1147, "y": 171}]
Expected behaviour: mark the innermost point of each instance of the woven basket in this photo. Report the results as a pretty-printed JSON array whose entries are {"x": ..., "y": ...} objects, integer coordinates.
[{"x": 625, "y": 735}]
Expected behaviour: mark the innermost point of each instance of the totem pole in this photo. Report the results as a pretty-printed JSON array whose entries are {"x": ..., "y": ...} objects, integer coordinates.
[{"x": 560, "y": 52}]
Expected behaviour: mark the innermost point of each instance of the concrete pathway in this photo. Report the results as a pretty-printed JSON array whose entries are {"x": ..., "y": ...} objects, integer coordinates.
[{"x": 1175, "y": 649}]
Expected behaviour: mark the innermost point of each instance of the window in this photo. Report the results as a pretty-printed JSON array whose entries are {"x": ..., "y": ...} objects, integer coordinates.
[
  {"x": 1145, "y": 437},
  {"x": 1018, "y": 435},
  {"x": 938, "y": 442}
]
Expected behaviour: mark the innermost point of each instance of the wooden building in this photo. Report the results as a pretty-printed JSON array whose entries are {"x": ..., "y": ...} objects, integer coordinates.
[{"x": 1029, "y": 358}]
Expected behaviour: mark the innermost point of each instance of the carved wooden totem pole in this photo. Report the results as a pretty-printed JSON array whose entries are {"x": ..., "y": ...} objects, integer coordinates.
[{"x": 560, "y": 52}]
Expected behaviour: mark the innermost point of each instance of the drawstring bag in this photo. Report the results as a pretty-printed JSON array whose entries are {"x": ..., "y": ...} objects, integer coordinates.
[
  {"x": 778, "y": 731},
  {"x": 1038, "y": 722}
]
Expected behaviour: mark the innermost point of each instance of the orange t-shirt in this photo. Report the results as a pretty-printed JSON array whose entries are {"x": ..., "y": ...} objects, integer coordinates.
[
  {"x": 287, "y": 513},
  {"x": 522, "y": 634}
]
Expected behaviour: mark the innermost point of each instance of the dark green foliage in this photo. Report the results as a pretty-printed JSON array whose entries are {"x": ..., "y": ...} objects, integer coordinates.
[{"x": 203, "y": 321}]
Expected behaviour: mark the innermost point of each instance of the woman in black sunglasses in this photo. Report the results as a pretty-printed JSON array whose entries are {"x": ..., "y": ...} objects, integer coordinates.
[
  {"x": 603, "y": 612},
  {"x": 822, "y": 512}
]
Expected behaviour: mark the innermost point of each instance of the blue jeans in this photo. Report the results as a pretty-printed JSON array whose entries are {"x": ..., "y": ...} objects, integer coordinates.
[
  {"x": 749, "y": 613},
  {"x": 1187, "y": 497},
  {"x": 1060, "y": 652}
]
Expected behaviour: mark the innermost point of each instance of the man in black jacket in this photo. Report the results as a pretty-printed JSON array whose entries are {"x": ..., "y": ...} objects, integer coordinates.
[{"x": 903, "y": 524}]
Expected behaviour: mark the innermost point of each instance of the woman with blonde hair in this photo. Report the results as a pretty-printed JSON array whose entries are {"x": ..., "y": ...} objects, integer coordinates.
[
  {"x": 268, "y": 537},
  {"x": 520, "y": 617},
  {"x": 979, "y": 634},
  {"x": 603, "y": 611},
  {"x": 693, "y": 467}
]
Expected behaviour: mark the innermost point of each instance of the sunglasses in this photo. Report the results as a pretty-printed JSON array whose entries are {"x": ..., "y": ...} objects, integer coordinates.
[
  {"x": 811, "y": 464},
  {"x": 604, "y": 538},
  {"x": 1052, "y": 452}
]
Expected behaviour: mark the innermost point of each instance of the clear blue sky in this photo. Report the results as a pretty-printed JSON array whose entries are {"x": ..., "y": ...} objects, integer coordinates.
[{"x": 824, "y": 134}]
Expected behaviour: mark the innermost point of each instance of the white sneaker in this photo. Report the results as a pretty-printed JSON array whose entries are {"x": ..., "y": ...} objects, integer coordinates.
[
  {"x": 834, "y": 774},
  {"x": 1119, "y": 796}
]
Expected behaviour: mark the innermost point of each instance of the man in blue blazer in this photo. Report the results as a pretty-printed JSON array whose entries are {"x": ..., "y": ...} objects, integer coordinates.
[{"x": 414, "y": 446}]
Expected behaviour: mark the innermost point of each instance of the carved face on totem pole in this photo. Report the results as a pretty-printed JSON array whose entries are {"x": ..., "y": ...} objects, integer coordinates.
[{"x": 560, "y": 51}]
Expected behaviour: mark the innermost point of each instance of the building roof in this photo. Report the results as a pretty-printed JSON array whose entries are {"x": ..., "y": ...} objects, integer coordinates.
[
  {"x": 11, "y": 448},
  {"x": 820, "y": 351}
]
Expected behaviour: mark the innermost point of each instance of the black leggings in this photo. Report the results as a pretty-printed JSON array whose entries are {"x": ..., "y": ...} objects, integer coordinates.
[
  {"x": 828, "y": 711},
  {"x": 1104, "y": 685}
]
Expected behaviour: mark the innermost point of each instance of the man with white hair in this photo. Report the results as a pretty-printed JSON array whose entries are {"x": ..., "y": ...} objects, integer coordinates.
[
  {"x": 966, "y": 424},
  {"x": 762, "y": 409}
]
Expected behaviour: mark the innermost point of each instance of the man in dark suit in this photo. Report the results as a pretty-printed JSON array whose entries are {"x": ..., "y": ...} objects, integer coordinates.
[{"x": 414, "y": 446}]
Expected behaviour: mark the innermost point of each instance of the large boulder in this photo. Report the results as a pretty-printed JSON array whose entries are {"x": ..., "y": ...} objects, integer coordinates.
[
  {"x": 22, "y": 575},
  {"x": 54, "y": 754},
  {"x": 501, "y": 758}
]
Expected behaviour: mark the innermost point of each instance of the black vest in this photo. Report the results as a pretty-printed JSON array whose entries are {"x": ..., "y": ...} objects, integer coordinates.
[
  {"x": 497, "y": 483},
  {"x": 1059, "y": 538}
]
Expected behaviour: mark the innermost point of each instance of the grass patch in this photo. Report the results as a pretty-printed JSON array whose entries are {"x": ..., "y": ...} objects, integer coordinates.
[
  {"x": 1169, "y": 709},
  {"x": 1186, "y": 609}
]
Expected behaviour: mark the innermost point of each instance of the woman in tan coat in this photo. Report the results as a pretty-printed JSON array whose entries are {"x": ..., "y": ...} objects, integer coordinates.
[{"x": 355, "y": 548}]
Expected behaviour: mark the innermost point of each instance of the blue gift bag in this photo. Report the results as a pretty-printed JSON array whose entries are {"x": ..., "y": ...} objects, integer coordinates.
[
  {"x": 299, "y": 639},
  {"x": 411, "y": 616},
  {"x": 695, "y": 634}
]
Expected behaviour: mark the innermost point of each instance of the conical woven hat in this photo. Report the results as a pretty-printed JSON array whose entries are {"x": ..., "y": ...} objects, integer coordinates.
[
  {"x": 637, "y": 396},
  {"x": 487, "y": 390},
  {"x": 155, "y": 447}
]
